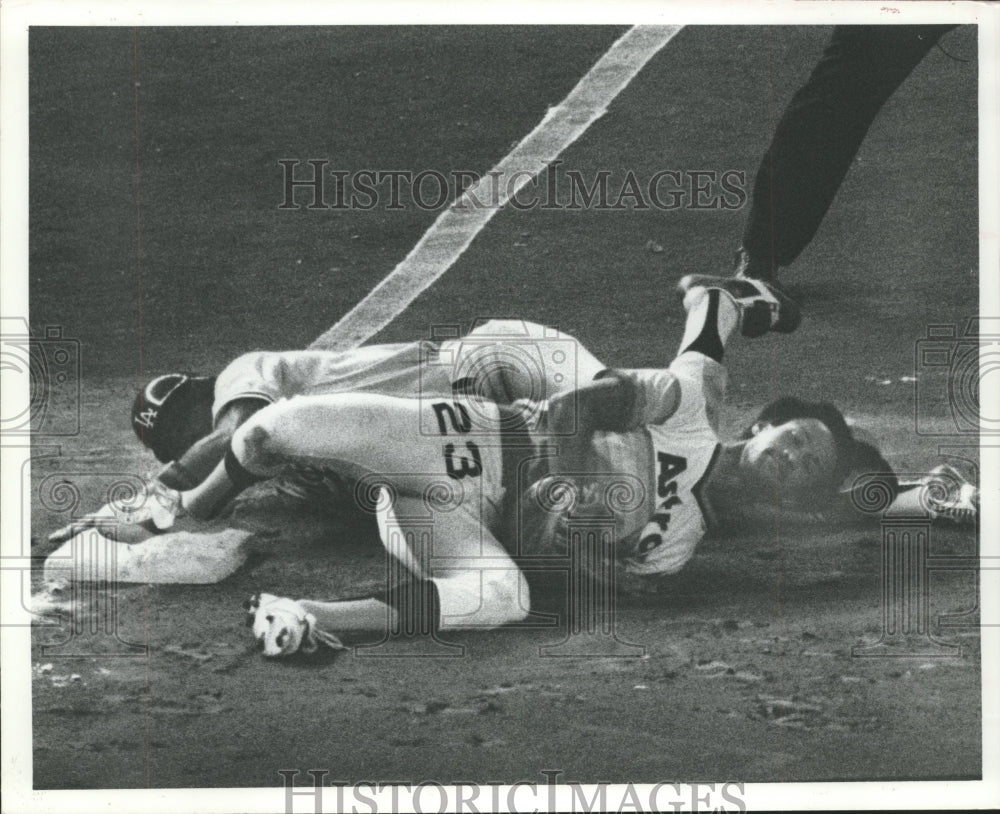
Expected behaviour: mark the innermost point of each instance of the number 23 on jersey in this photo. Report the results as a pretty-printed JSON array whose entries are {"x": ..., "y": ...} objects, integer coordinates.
[{"x": 454, "y": 418}]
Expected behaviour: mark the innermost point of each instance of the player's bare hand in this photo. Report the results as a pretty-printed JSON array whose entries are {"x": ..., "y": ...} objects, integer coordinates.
[{"x": 154, "y": 507}]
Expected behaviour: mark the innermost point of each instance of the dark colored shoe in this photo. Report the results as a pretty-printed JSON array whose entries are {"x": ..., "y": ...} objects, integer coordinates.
[{"x": 763, "y": 307}]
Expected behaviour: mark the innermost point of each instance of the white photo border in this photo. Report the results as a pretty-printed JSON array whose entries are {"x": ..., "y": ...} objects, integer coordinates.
[{"x": 15, "y": 19}]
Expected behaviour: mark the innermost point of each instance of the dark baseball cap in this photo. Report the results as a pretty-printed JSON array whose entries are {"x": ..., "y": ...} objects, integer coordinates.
[{"x": 162, "y": 407}]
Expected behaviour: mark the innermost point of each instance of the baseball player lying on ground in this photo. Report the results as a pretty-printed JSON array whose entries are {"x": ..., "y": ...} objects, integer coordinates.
[
  {"x": 498, "y": 480},
  {"x": 188, "y": 421}
]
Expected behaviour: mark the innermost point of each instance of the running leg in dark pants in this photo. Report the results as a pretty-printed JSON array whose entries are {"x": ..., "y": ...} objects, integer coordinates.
[{"x": 820, "y": 133}]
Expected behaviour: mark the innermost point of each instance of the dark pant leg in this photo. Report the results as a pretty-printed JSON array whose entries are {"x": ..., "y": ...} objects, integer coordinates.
[{"x": 820, "y": 133}]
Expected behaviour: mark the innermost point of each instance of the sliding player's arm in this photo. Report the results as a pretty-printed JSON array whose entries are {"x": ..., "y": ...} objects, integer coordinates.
[
  {"x": 204, "y": 455},
  {"x": 617, "y": 401},
  {"x": 161, "y": 504},
  {"x": 230, "y": 475}
]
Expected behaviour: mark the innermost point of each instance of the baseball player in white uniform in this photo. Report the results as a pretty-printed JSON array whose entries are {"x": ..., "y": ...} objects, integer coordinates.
[
  {"x": 454, "y": 445},
  {"x": 187, "y": 420},
  {"x": 453, "y": 469}
]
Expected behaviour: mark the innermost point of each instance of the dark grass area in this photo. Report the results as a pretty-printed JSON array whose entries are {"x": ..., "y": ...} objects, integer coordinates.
[
  {"x": 169, "y": 250},
  {"x": 216, "y": 109}
]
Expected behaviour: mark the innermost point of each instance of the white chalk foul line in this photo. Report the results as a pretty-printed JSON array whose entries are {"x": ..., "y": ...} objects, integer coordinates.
[{"x": 457, "y": 226}]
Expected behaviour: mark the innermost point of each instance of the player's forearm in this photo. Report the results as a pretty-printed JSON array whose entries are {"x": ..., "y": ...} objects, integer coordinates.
[
  {"x": 198, "y": 462},
  {"x": 204, "y": 501},
  {"x": 205, "y": 454},
  {"x": 227, "y": 479},
  {"x": 353, "y": 615},
  {"x": 250, "y": 457},
  {"x": 605, "y": 404},
  {"x": 573, "y": 417},
  {"x": 570, "y": 430}
]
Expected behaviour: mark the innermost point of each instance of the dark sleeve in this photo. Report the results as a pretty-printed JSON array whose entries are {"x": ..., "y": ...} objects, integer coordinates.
[
  {"x": 204, "y": 455},
  {"x": 822, "y": 129}
]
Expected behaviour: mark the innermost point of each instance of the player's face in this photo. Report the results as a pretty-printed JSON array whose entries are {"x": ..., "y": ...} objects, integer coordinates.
[{"x": 794, "y": 458}]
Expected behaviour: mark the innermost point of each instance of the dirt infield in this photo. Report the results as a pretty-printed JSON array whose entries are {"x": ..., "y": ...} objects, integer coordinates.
[{"x": 742, "y": 669}]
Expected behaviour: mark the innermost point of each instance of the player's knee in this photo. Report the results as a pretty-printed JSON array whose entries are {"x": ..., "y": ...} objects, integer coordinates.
[{"x": 257, "y": 447}]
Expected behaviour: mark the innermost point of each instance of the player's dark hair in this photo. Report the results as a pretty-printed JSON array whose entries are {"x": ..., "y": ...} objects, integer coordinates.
[{"x": 853, "y": 456}]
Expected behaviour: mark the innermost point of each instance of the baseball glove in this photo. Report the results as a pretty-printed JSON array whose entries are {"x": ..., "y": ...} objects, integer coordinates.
[{"x": 283, "y": 627}]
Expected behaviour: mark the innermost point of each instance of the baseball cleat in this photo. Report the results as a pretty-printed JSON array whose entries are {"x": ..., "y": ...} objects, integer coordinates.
[
  {"x": 283, "y": 627},
  {"x": 762, "y": 307}
]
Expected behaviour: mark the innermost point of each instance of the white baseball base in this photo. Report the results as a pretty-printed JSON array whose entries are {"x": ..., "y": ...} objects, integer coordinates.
[{"x": 180, "y": 557}]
